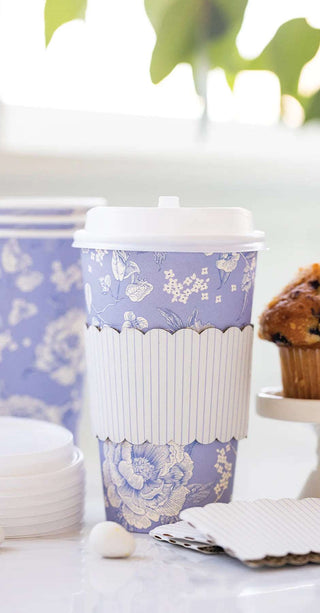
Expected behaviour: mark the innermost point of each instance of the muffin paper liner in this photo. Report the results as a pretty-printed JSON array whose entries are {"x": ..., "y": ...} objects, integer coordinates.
[
  {"x": 161, "y": 387},
  {"x": 300, "y": 369}
]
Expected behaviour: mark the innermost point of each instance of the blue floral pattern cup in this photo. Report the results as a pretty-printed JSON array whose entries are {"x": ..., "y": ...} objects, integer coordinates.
[
  {"x": 148, "y": 484},
  {"x": 41, "y": 330}
]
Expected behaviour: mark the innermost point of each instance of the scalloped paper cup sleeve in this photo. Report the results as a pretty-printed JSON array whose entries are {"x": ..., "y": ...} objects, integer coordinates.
[
  {"x": 273, "y": 532},
  {"x": 161, "y": 387}
]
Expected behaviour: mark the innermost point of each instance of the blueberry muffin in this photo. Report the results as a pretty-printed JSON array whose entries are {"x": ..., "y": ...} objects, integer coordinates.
[{"x": 292, "y": 321}]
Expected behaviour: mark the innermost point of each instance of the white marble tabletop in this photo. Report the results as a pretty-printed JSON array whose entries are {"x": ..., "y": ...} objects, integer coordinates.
[{"x": 61, "y": 576}]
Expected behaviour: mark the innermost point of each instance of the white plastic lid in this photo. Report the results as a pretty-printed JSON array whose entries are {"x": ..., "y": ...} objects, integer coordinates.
[
  {"x": 56, "y": 480},
  {"x": 32, "y": 447},
  {"x": 170, "y": 227}
]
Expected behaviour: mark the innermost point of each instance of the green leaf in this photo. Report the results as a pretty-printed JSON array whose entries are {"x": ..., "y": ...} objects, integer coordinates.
[
  {"x": 311, "y": 106},
  {"x": 58, "y": 12},
  {"x": 156, "y": 9},
  {"x": 293, "y": 45},
  {"x": 183, "y": 32}
]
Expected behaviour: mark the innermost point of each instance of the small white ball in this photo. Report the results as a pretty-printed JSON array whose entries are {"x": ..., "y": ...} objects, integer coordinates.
[
  {"x": 110, "y": 540},
  {"x": 2, "y": 535}
]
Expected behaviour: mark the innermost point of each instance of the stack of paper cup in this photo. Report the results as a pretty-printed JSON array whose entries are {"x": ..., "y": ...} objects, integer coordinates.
[
  {"x": 41, "y": 479},
  {"x": 169, "y": 294},
  {"x": 41, "y": 313}
]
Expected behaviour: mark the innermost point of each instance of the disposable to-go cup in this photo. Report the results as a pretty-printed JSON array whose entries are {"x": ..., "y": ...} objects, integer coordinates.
[
  {"x": 41, "y": 313},
  {"x": 155, "y": 401}
]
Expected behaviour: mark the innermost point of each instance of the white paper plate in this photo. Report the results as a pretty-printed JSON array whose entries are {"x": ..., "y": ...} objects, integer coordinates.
[
  {"x": 31, "y": 446},
  {"x": 45, "y": 482},
  {"x": 40, "y": 519},
  {"x": 44, "y": 499},
  {"x": 41, "y": 509},
  {"x": 65, "y": 532},
  {"x": 47, "y": 528},
  {"x": 44, "y": 493}
]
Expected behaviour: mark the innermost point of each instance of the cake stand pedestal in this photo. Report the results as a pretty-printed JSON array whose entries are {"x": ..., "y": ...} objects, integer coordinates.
[{"x": 270, "y": 403}]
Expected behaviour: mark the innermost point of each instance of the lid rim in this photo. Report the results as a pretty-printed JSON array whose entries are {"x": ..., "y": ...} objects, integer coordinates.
[
  {"x": 169, "y": 228},
  {"x": 184, "y": 244}
]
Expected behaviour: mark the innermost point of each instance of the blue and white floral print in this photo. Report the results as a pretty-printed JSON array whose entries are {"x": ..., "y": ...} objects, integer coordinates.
[
  {"x": 132, "y": 321},
  {"x": 146, "y": 481},
  {"x": 174, "y": 322},
  {"x": 122, "y": 267},
  {"x": 159, "y": 258},
  {"x": 7, "y": 343},
  {"x": 168, "y": 289},
  {"x": 123, "y": 282},
  {"x": 150, "y": 484},
  {"x": 60, "y": 354},
  {"x": 41, "y": 330},
  {"x": 13, "y": 259},
  {"x": 30, "y": 406},
  {"x": 65, "y": 279},
  {"x": 105, "y": 283},
  {"x": 18, "y": 263},
  {"x": 226, "y": 264},
  {"x": 21, "y": 309},
  {"x": 248, "y": 279}
]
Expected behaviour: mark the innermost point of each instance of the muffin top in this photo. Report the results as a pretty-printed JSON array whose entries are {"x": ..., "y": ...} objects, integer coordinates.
[{"x": 293, "y": 317}]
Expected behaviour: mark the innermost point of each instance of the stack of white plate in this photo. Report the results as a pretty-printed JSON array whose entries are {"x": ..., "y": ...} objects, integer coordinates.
[{"x": 41, "y": 479}]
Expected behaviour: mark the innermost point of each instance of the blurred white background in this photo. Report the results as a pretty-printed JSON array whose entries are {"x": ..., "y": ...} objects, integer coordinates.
[{"x": 83, "y": 118}]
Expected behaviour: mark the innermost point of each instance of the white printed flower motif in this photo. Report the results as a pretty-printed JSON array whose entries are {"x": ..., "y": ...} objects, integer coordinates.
[
  {"x": 21, "y": 309},
  {"x": 65, "y": 279},
  {"x": 247, "y": 279},
  {"x": 122, "y": 267},
  {"x": 61, "y": 352},
  {"x": 139, "y": 290},
  {"x": 28, "y": 406},
  {"x": 88, "y": 296},
  {"x": 100, "y": 253},
  {"x": 146, "y": 481},
  {"x": 227, "y": 263},
  {"x": 5, "y": 342},
  {"x": 105, "y": 284},
  {"x": 29, "y": 280},
  {"x": 132, "y": 321},
  {"x": 13, "y": 259},
  {"x": 248, "y": 274},
  {"x": 174, "y": 321}
]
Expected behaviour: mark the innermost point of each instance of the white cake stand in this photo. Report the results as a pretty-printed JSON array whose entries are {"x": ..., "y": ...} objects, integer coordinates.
[{"x": 271, "y": 403}]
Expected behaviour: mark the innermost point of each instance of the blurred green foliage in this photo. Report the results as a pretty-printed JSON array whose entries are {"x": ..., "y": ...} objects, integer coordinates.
[
  {"x": 203, "y": 34},
  {"x": 58, "y": 12}
]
